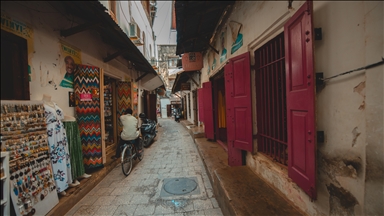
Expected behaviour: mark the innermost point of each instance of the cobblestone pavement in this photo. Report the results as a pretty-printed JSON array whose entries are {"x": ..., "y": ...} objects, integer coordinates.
[{"x": 172, "y": 155}]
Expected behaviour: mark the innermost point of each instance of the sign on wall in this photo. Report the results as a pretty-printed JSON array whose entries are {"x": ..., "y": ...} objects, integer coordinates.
[
  {"x": 185, "y": 86},
  {"x": 237, "y": 37},
  {"x": 70, "y": 57},
  {"x": 223, "y": 44},
  {"x": 192, "y": 61}
]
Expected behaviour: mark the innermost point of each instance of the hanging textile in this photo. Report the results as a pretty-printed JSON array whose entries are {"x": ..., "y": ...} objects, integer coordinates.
[
  {"x": 87, "y": 90},
  {"x": 123, "y": 100},
  {"x": 75, "y": 148},
  {"x": 221, "y": 111},
  {"x": 57, "y": 141}
]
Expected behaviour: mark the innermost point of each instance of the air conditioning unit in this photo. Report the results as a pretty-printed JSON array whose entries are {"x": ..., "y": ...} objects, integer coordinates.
[
  {"x": 153, "y": 61},
  {"x": 134, "y": 31}
]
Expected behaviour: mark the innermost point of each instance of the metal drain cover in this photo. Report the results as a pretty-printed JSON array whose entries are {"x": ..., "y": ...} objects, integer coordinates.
[{"x": 180, "y": 186}]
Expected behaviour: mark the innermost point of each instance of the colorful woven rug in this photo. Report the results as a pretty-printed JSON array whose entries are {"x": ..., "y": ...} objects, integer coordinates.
[
  {"x": 88, "y": 114},
  {"x": 123, "y": 100}
]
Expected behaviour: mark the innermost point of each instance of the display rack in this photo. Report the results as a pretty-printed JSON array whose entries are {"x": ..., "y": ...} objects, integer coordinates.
[
  {"x": 24, "y": 137},
  {"x": 108, "y": 115},
  {"x": 5, "y": 198}
]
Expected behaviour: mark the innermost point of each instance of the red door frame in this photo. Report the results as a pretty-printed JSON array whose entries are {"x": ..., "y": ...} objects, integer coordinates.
[{"x": 208, "y": 111}]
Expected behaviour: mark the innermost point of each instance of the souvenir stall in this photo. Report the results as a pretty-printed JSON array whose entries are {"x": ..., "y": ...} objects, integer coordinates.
[{"x": 24, "y": 137}]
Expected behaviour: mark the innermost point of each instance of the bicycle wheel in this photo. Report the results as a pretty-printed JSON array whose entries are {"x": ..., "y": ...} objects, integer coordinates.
[
  {"x": 126, "y": 163},
  {"x": 142, "y": 150}
]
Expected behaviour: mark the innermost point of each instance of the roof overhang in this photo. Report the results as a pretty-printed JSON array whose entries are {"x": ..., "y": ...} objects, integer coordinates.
[
  {"x": 196, "y": 23},
  {"x": 95, "y": 16},
  {"x": 183, "y": 77}
]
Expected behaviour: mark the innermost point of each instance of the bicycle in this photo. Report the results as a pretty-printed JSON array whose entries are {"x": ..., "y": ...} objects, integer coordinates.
[{"x": 130, "y": 152}]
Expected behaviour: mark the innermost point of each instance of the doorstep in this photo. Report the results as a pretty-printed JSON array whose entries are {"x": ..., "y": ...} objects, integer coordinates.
[
  {"x": 238, "y": 190},
  {"x": 194, "y": 131},
  {"x": 75, "y": 194}
]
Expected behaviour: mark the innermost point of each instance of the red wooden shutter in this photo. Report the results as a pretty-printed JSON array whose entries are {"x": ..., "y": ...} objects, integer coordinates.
[
  {"x": 238, "y": 89},
  {"x": 200, "y": 97},
  {"x": 234, "y": 154},
  {"x": 301, "y": 99},
  {"x": 208, "y": 110}
]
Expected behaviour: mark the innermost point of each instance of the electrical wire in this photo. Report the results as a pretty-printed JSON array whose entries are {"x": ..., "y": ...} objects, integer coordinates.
[{"x": 358, "y": 69}]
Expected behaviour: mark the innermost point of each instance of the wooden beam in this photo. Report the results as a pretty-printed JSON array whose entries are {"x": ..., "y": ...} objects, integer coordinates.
[
  {"x": 114, "y": 55},
  {"x": 213, "y": 48},
  {"x": 141, "y": 77},
  {"x": 77, "y": 29},
  {"x": 190, "y": 77}
]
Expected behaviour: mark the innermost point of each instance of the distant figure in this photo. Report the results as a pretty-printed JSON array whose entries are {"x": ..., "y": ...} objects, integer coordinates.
[{"x": 158, "y": 112}]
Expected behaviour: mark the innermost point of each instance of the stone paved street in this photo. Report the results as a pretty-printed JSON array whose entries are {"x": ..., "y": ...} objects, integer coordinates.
[{"x": 172, "y": 155}]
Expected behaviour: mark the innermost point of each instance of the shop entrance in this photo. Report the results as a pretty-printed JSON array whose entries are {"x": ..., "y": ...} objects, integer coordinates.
[
  {"x": 14, "y": 67},
  {"x": 110, "y": 113},
  {"x": 219, "y": 109},
  {"x": 194, "y": 98}
]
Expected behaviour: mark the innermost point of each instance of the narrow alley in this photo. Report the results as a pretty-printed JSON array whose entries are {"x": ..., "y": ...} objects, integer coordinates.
[{"x": 172, "y": 158}]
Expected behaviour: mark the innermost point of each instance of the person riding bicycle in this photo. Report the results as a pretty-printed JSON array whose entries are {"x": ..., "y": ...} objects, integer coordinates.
[{"x": 130, "y": 132}]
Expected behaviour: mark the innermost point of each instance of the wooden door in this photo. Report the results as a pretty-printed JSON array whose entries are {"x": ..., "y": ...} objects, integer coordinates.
[
  {"x": 239, "y": 103},
  {"x": 300, "y": 88},
  {"x": 14, "y": 67},
  {"x": 208, "y": 111}
]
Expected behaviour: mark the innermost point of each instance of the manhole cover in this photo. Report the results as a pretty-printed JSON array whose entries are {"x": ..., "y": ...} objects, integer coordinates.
[{"x": 180, "y": 186}]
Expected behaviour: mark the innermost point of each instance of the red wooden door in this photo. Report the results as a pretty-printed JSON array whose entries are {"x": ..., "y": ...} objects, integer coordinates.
[
  {"x": 200, "y": 98},
  {"x": 208, "y": 112},
  {"x": 234, "y": 154},
  {"x": 238, "y": 102},
  {"x": 301, "y": 99}
]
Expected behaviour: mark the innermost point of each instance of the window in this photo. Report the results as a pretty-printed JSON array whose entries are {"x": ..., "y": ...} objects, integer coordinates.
[
  {"x": 14, "y": 67},
  {"x": 271, "y": 99},
  {"x": 286, "y": 99}
]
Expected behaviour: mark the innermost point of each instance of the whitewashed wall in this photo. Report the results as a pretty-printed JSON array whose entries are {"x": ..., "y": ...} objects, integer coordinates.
[
  {"x": 163, "y": 103},
  {"x": 349, "y": 108}
]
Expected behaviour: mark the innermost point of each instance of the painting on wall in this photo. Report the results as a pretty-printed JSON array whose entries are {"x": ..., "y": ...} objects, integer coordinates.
[
  {"x": 237, "y": 36},
  {"x": 211, "y": 60},
  {"x": 71, "y": 99},
  {"x": 70, "y": 56}
]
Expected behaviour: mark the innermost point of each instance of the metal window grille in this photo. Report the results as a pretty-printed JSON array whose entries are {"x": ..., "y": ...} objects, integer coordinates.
[{"x": 271, "y": 99}]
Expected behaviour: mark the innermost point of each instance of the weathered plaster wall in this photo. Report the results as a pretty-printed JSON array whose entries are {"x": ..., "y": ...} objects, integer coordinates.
[
  {"x": 163, "y": 103},
  {"x": 349, "y": 109},
  {"x": 45, "y": 56},
  {"x": 374, "y": 99}
]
